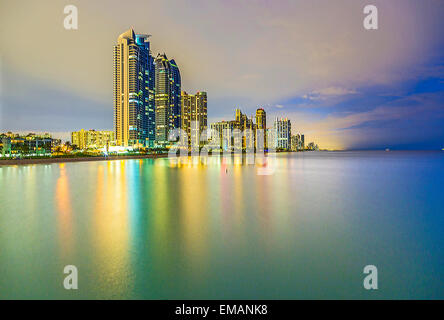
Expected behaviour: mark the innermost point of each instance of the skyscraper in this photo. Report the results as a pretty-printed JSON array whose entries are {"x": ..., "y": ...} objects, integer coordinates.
[
  {"x": 149, "y": 79},
  {"x": 261, "y": 124},
  {"x": 282, "y": 128},
  {"x": 246, "y": 127},
  {"x": 261, "y": 119},
  {"x": 167, "y": 98},
  {"x": 133, "y": 90},
  {"x": 221, "y": 134},
  {"x": 194, "y": 116}
]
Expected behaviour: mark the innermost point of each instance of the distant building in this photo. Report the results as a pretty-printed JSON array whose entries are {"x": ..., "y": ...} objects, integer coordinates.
[
  {"x": 29, "y": 144},
  {"x": 297, "y": 142},
  {"x": 261, "y": 124},
  {"x": 282, "y": 128},
  {"x": 270, "y": 135},
  {"x": 247, "y": 129},
  {"x": 84, "y": 139},
  {"x": 241, "y": 128},
  {"x": 78, "y": 138},
  {"x": 221, "y": 134},
  {"x": 194, "y": 117},
  {"x": 167, "y": 98},
  {"x": 133, "y": 90},
  {"x": 5, "y": 145},
  {"x": 312, "y": 146}
]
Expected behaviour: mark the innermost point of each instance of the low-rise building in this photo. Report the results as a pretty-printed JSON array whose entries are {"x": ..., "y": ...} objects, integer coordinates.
[
  {"x": 84, "y": 139},
  {"x": 29, "y": 144}
]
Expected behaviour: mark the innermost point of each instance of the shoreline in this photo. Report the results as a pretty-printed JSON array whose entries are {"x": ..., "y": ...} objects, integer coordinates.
[{"x": 15, "y": 162}]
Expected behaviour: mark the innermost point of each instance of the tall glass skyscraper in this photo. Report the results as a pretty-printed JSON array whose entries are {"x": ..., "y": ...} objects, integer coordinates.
[
  {"x": 133, "y": 90},
  {"x": 149, "y": 102},
  {"x": 167, "y": 98}
]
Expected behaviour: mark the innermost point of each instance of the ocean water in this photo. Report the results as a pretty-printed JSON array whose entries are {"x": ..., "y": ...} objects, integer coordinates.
[{"x": 153, "y": 229}]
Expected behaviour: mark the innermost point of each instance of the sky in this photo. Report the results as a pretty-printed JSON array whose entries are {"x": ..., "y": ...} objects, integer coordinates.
[{"x": 341, "y": 85}]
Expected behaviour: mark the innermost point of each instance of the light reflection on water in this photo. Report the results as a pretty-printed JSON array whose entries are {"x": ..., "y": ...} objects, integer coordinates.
[{"x": 174, "y": 229}]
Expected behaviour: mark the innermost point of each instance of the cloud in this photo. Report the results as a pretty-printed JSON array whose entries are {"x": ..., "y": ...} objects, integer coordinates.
[
  {"x": 334, "y": 91},
  {"x": 329, "y": 92},
  {"x": 243, "y": 53},
  {"x": 256, "y": 49},
  {"x": 345, "y": 130}
]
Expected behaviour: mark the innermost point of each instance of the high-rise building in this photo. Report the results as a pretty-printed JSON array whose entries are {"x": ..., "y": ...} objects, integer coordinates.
[
  {"x": 282, "y": 128},
  {"x": 261, "y": 119},
  {"x": 271, "y": 138},
  {"x": 167, "y": 98},
  {"x": 133, "y": 90},
  {"x": 194, "y": 117},
  {"x": 149, "y": 101},
  {"x": 261, "y": 124},
  {"x": 246, "y": 127},
  {"x": 295, "y": 142},
  {"x": 221, "y": 134}
]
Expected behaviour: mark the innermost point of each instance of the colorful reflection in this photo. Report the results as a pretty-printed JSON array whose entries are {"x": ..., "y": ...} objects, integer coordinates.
[
  {"x": 194, "y": 215},
  {"x": 148, "y": 229},
  {"x": 64, "y": 213},
  {"x": 111, "y": 230}
]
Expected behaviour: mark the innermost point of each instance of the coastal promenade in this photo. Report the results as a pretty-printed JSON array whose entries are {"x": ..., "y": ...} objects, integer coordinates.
[{"x": 14, "y": 162}]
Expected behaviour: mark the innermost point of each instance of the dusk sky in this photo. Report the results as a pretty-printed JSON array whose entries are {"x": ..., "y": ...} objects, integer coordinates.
[{"x": 311, "y": 61}]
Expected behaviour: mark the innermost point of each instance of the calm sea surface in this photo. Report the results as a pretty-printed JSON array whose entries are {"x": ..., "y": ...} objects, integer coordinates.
[{"x": 150, "y": 229}]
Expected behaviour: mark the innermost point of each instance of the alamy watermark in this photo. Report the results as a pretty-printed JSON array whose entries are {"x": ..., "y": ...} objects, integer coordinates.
[
  {"x": 371, "y": 19},
  {"x": 71, "y": 21},
  {"x": 253, "y": 147},
  {"x": 371, "y": 280},
  {"x": 71, "y": 281}
]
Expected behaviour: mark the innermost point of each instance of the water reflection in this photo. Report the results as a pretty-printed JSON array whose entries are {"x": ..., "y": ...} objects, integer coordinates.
[
  {"x": 64, "y": 213},
  {"x": 193, "y": 215},
  {"x": 185, "y": 229},
  {"x": 111, "y": 230}
]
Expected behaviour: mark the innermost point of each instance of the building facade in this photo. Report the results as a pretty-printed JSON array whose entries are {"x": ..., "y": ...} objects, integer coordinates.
[
  {"x": 167, "y": 98},
  {"x": 221, "y": 134},
  {"x": 261, "y": 126},
  {"x": 84, "y": 139},
  {"x": 133, "y": 90},
  {"x": 298, "y": 142},
  {"x": 247, "y": 129},
  {"x": 282, "y": 128},
  {"x": 78, "y": 138},
  {"x": 194, "y": 118},
  {"x": 13, "y": 144}
]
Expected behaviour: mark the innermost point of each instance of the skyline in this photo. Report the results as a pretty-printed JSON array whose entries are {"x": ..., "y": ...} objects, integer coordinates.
[{"x": 343, "y": 86}]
